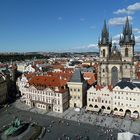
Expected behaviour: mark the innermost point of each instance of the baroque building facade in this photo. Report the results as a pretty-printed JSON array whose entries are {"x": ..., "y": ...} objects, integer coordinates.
[
  {"x": 45, "y": 92},
  {"x": 115, "y": 63}
]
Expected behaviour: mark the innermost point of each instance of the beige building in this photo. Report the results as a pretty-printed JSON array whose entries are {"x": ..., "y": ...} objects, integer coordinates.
[
  {"x": 77, "y": 90},
  {"x": 99, "y": 99},
  {"x": 115, "y": 64}
]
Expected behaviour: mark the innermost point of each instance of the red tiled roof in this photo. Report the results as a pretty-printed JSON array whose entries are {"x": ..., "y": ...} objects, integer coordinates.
[
  {"x": 39, "y": 62},
  {"x": 138, "y": 75},
  {"x": 47, "y": 81},
  {"x": 57, "y": 66},
  {"x": 63, "y": 75},
  {"x": 110, "y": 87},
  {"x": 98, "y": 87},
  {"x": 30, "y": 75},
  {"x": 91, "y": 76}
]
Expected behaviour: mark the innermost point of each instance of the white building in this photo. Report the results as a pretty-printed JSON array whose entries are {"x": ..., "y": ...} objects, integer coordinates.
[
  {"x": 99, "y": 98},
  {"x": 21, "y": 67},
  {"x": 29, "y": 68},
  {"x": 44, "y": 92},
  {"x": 122, "y": 100},
  {"x": 126, "y": 97}
]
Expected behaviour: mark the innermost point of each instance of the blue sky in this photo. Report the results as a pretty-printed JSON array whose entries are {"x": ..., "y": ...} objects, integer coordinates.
[{"x": 63, "y": 25}]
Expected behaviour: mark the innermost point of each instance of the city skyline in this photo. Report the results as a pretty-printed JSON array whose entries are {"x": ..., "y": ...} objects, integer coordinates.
[{"x": 63, "y": 25}]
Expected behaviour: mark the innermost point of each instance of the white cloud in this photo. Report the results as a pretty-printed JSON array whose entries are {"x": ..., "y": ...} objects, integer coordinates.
[
  {"x": 90, "y": 47},
  {"x": 59, "y": 18},
  {"x": 123, "y": 11},
  {"x": 134, "y": 7},
  {"x": 137, "y": 38},
  {"x": 116, "y": 39},
  {"x": 131, "y": 9},
  {"x": 136, "y": 30},
  {"x": 119, "y": 20}
]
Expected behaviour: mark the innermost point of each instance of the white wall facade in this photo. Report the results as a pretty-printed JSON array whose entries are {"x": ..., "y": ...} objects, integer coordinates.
[{"x": 100, "y": 99}]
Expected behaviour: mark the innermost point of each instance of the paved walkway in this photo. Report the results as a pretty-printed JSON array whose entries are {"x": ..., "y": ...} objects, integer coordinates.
[{"x": 90, "y": 118}]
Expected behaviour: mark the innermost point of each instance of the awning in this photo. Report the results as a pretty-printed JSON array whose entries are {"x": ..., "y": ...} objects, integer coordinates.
[
  {"x": 89, "y": 108},
  {"x": 119, "y": 113},
  {"x": 107, "y": 111},
  {"x": 96, "y": 109}
]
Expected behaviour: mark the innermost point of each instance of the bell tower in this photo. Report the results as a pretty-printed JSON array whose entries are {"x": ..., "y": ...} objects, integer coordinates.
[
  {"x": 127, "y": 42},
  {"x": 104, "y": 44}
]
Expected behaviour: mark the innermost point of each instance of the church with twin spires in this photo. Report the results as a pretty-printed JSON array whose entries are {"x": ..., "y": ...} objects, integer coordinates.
[{"x": 114, "y": 63}]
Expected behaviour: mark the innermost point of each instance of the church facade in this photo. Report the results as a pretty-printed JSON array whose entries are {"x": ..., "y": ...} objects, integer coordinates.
[{"x": 115, "y": 63}]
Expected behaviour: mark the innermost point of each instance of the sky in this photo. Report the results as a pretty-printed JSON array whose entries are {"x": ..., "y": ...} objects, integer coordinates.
[{"x": 63, "y": 25}]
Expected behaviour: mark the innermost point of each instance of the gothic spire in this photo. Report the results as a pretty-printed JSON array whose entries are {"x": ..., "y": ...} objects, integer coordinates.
[
  {"x": 127, "y": 29},
  {"x": 104, "y": 35},
  {"x": 127, "y": 34},
  {"x": 104, "y": 31}
]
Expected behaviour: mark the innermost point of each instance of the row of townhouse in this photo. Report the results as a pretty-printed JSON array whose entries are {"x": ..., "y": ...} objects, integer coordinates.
[
  {"x": 121, "y": 99},
  {"x": 58, "y": 91}
]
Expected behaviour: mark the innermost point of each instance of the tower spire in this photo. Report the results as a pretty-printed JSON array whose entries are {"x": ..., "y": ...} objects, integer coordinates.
[
  {"x": 105, "y": 34},
  {"x": 127, "y": 29},
  {"x": 127, "y": 34}
]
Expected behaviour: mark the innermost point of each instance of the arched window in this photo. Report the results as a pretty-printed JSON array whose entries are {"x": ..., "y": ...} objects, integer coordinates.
[
  {"x": 114, "y": 75},
  {"x": 103, "y": 52},
  {"x": 126, "y": 52},
  {"x": 115, "y": 109}
]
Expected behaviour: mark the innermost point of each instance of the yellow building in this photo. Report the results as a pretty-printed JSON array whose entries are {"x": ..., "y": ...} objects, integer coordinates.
[{"x": 77, "y": 90}]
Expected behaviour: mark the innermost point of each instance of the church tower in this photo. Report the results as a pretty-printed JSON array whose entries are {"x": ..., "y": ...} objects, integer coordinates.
[
  {"x": 127, "y": 42},
  {"x": 115, "y": 64},
  {"x": 104, "y": 44}
]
